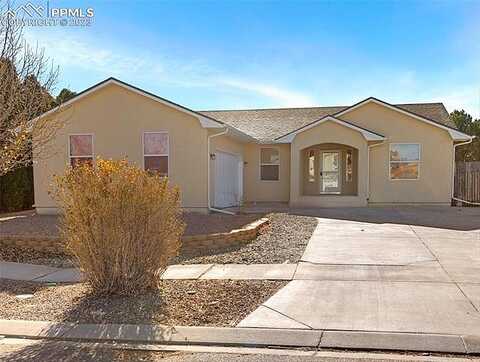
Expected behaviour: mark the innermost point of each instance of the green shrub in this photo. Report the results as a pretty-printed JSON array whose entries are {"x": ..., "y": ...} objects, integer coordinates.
[{"x": 16, "y": 190}]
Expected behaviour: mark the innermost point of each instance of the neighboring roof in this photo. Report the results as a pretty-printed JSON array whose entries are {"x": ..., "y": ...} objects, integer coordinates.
[
  {"x": 367, "y": 134},
  {"x": 268, "y": 124},
  {"x": 433, "y": 111}
]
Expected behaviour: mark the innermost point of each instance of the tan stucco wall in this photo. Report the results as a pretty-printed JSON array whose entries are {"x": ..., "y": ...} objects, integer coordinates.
[
  {"x": 434, "y": 184},
  {"x": 118, "y": 117},
  {"x": 257, "y": 190},
  {"x": 327, "y": 132}
]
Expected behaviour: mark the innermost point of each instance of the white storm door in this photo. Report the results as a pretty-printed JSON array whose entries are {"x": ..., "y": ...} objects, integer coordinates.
[
  {"x": 227, "y": 180},
  {"x": 330, "y": 182}
]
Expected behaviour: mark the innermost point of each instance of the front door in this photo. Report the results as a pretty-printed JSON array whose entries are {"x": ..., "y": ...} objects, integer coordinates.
[{"x": 330, "y": 182}]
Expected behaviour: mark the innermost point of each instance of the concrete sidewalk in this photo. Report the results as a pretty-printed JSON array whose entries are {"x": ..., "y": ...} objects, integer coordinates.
[
  {"x": 38, "y": 273},
  {"x": 42, "y": 273},
  {"x": 246, "y": 337},
  {"x": 422, "y": 271}
]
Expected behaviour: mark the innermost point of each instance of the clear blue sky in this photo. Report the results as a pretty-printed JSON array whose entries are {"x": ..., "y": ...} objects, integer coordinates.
[{"x": 254, "y": 54}]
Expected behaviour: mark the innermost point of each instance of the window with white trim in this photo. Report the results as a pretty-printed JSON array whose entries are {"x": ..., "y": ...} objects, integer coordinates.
[
  {"x": 155, "y": 152},
  {"x": 404, "y": 161},
  {"x": 269, "y": 164},
  {"x": 349, "y": 166},
  {"x": 80, "y": 149},
  {"x": 311, "y": 166}
]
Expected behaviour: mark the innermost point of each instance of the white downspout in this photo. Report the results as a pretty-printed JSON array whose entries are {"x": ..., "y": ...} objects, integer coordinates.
[
  {"x": 208, "y": 173},
  {"x": 368, "y": 167},
  {"x": 453, "y": 172}
]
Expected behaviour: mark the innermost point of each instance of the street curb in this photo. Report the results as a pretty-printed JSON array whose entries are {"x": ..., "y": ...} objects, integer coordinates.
[
  {"x": 162, "y": 334},
  {"x": 247, "y": 337},
  {"x": 393, "y": 341}
]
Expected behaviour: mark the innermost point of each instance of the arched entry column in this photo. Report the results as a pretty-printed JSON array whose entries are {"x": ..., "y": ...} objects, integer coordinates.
[
  {"x": 328, "y": 140},
  {"x": 329, "y": 169}
]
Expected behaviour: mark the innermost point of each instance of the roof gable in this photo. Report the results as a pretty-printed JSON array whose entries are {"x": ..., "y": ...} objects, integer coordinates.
[
  {"x": 205, "y": 121},
  {"x": 455, "y": 134},
  {"x": 367, "y": 134}
]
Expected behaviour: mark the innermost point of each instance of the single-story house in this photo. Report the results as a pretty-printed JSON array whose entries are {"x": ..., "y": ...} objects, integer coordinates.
[{"x": 369, "y": 153}]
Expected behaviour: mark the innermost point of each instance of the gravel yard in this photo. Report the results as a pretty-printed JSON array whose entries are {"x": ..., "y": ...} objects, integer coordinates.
[
  {"x": 31, "y": 225},
  {"x": 179, "y": 302},
  {"x": 284, "y": 240},
  {"x": 32, "y": 256}
]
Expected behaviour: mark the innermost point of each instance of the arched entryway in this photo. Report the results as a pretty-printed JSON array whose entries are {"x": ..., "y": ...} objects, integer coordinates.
[{"x": 329, "y": 169}]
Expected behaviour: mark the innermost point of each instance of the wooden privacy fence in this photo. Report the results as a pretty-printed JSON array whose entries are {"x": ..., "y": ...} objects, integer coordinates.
[{"x": 467, "y": 182}]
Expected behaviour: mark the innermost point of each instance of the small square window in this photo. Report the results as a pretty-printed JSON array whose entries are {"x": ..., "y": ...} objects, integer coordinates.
[
  {"x": 404, "y": 161},
  {"x": 157, "y": 163},
  {"x": 156, "y": 143},
  {"x": 80, "y": 149},
  {"x": 156, "y": 152},
  {"x": 269, "y": 164},
  {"x": 75, "y": 161},
  {"x": 269, "y": 173}
]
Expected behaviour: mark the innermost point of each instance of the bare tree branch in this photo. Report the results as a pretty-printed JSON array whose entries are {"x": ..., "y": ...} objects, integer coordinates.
[{"x": 27, "y": 78}]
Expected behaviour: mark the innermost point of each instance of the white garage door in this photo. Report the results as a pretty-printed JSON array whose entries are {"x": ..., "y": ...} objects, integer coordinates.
[{"x": 228, "y": 174}]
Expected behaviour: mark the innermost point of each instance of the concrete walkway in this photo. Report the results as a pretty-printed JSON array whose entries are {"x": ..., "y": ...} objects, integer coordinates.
[
  {"x": 381, "y": 277},
  {"x": 42, "y": 273},
  {"x": 38, "y": 273}
]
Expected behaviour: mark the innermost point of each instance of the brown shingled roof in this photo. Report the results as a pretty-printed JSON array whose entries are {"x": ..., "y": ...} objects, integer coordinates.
[
  {"x": 268, "y": 124},
  {"x": 434, "y": 111}
]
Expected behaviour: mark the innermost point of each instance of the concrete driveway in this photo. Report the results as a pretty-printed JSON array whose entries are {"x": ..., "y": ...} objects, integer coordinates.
[{"x": 407, "y": 269}]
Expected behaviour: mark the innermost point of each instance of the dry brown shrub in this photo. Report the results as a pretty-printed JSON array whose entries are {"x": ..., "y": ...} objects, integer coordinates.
[{"x": 121, "y": 224}]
